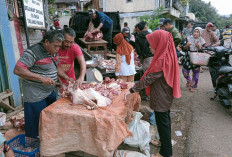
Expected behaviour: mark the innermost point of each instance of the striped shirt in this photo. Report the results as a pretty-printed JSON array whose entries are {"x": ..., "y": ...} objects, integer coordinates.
[{"x": 37, "y": 60}]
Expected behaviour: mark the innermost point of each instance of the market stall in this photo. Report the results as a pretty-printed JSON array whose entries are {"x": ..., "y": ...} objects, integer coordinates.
[
  {"x": 95, "y": 44},
  {"x": 107, "y": 67},
  {"x": 65, "y": 127}
]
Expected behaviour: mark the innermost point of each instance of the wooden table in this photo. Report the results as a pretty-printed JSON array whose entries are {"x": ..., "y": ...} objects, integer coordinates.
[
  {"x": 95, "y": 44},
  {"x": 65, "y": 127}
]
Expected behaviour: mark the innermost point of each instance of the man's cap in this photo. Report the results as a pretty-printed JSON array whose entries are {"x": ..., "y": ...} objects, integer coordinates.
[
  {"x": 161, "y": 21},
  {"x": 209, "y": 24},
  {"x": 91, "y": 11},
  {"x": 166, "y": 21},
  {"x": 126, "y": 30}
]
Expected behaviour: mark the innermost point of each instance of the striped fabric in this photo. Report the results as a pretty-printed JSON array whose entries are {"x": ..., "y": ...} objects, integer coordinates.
[{"x": 37, "y": 60}]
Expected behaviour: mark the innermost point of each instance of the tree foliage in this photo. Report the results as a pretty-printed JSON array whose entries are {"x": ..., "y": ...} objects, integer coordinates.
[
  {"x": 205, "y": 12},
  {"x": 152, "y": 20},
  {"x": 51, "y": 7},
  {"x": 51, "y": 1},
  {"x": 184, "y": 2}
]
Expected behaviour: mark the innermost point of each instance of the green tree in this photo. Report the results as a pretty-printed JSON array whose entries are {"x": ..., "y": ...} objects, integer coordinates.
[
  {"x": 51, "y": 7},
  {"x": 205, "y": 12},
  {"x": 152, "y": 20},
  {"x": 51, "y": 1},
  {"x": 184, "y": 2}
]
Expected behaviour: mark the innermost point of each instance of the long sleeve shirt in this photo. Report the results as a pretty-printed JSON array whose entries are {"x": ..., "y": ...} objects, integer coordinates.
[
  {"x": 209, "y": 37},
  {"x": 161, "y": 98},
  {"x": 176, "y": 36},
  {"x": 104, "y": 19},
  {"x": 142, "y": 46}
]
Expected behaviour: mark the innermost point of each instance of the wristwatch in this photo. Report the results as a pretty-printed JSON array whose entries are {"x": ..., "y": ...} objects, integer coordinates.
[{"x": 6, "y": 148}]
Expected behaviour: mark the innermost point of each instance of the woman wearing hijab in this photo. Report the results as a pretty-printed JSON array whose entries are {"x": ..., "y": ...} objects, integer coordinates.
[
  {"x": 194, "y": 43},
  {"x": 125, "y": 67},
  {"x": 162, "y": 83}
]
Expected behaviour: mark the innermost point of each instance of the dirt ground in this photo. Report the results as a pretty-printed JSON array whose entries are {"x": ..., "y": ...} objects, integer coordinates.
[{"x": 205, "y": 124}]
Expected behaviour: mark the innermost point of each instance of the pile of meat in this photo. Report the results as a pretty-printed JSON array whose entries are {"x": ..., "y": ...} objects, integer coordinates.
[
  {"x": 93, "y": 36},
  {"x": 108, "y": 64},
  {"x": 17, "y": 122},
  {"x": 94, "y": 95}
]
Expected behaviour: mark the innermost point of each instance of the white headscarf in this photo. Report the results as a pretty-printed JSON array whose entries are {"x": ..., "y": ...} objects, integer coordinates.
[{"x": 199, "y": 29}]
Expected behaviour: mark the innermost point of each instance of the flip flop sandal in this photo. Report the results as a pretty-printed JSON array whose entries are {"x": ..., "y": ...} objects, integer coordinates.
[
  {"x": 156, "y": 143},
  {"x": 188, "y": 84}
]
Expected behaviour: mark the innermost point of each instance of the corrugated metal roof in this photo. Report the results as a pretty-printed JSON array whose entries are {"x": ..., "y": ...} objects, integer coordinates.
[
  {"x": 67, "y": 1},
  {"x": 71, "y": 1}
]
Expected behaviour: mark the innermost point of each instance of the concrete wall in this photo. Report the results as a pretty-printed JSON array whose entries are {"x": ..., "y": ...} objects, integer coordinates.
[
  {"x": 35, "y": 36},
  {"x": 14, "y": 39},
  {"x": 132, "y": 21},
  {"x": 132, "y": 18},
  {"x": 133, "y": 6},
  {"x": 130, "y": 12}
]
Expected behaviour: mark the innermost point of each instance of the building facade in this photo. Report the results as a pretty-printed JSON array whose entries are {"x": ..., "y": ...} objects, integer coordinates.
[{"x": 131, "y": 10}]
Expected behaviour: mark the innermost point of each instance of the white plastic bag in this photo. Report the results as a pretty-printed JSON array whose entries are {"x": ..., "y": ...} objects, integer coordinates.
[
  {"x": 2, "y": 119},
  {"x": 127, "y": 153},
  {"x": 141, "y": 134}
]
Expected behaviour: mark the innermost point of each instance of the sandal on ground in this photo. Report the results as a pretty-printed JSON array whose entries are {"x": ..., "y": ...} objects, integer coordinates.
[
  {"x": 156, "y": 155},
  {"x": 156, "y": 143}
]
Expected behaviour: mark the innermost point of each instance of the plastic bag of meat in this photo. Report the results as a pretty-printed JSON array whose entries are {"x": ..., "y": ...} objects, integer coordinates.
[{"x": 141, "y": 134}]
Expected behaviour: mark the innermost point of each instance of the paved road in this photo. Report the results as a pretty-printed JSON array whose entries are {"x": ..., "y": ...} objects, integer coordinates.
[{"x": 210, "y": 126}]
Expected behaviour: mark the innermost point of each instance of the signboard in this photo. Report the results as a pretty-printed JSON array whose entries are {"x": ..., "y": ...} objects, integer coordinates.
[{"x": 34, "y": 13}]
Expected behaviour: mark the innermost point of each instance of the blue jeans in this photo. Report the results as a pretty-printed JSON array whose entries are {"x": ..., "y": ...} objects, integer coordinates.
[{"x": 32, "y": 113}]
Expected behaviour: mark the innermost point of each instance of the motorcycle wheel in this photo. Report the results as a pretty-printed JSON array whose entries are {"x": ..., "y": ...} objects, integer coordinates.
[{"x": 226, "y": 103}]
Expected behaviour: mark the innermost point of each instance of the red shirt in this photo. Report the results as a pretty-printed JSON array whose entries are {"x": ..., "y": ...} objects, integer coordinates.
[{"x": 66, "y": 60}]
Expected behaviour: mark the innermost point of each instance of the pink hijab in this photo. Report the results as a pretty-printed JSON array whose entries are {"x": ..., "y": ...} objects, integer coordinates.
[{"x": 165, "y": 59}]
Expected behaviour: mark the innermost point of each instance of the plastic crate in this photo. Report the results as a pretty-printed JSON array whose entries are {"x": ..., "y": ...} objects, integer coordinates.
[{"x": 21, "y": 140}]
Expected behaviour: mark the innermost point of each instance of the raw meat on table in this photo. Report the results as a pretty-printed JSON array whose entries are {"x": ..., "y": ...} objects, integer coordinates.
[{"x": 94, "y": 95}]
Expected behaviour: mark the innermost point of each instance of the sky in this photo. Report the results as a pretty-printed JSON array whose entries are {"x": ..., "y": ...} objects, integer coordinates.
[{"x": 224, "y": 7}]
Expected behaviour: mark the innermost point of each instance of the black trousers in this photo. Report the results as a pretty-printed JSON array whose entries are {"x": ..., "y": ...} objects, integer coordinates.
[
  {"x": 107, "y": 35},
  {"x": 163, "y": 121}
]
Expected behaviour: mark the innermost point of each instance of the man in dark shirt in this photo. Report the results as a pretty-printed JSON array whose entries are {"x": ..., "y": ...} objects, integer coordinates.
[
  {"x": 160, "y": 23},
  {"x": 102, "y": 23},
  {"x": 142, "y": 46}
]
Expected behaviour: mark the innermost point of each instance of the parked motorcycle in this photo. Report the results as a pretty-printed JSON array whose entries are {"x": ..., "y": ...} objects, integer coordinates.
[{"x": 221, "y": 73}]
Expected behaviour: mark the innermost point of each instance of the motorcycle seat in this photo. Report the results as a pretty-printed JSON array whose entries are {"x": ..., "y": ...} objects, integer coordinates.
[{"x": 224, "y": 70}]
